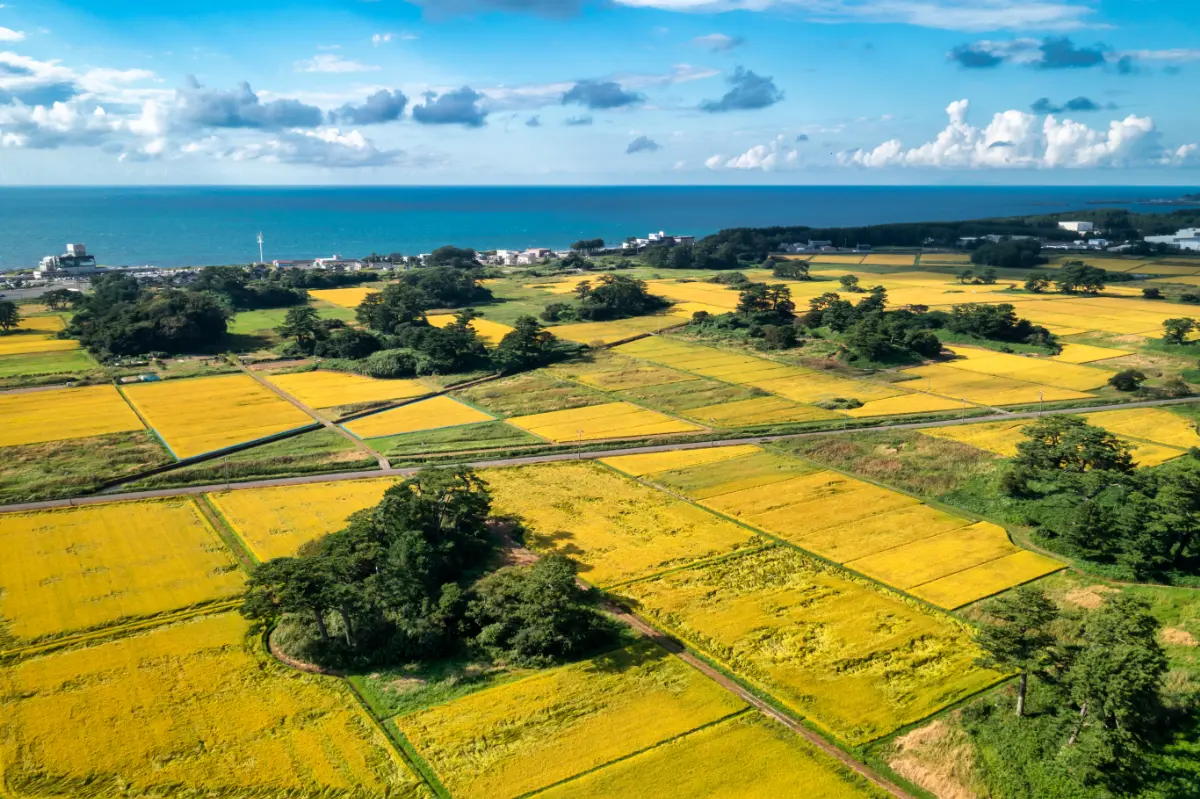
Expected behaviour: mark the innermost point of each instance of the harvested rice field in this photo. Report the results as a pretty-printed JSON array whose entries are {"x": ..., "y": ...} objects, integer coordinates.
[
  {"x": 856, "y": 661},
  {"x": 523, "y": 736},
  {"x": 346, "y": 298},
  {"x": 748, "y": 756},
  {"x": 321, "y": 389},
  {"x": 610, "y": 420},
  {"x": 614, "y": 331},
  {"x": 754, "y": 468},
  {"x": 56, "y": 415},
  {"x": 81, "y": 568},
  {"x": 616, "y": 529},
  {"x": 275, "y": 522},
  {"x": 539, "y": 391},
  {"x": 490, "y": 332},
  {"x": 429, "y": 414},
  {"x": 194, "y": 709},
  {"x": 207, "y": 414}
]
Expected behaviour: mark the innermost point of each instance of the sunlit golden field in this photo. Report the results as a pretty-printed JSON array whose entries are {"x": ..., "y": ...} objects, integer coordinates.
[{"x": 34, "y": 417}]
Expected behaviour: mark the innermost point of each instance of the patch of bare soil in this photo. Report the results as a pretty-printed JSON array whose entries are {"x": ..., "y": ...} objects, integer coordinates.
[
  {"x": 937, "y": 757},
  {"x": 1173, "y": 635},
  {"x": 1090, "y": 597}
]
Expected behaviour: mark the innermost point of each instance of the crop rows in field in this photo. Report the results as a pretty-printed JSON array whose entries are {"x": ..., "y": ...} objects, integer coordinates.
[
  {"x": 889, "y": 536},
  {"x": 632, "y": 722},
  {"x": 610, "y": 420},
  {"x": 187, "y": 709},
  {"x": 275, "y": 522},
  {"x": 208, "y": 414},
  {"x": 985, "y": 389},
  {"x": 36, "y": 334},
  {"x": 1086, "y": 353},
  {"x": 1030, "y": 370},
  {"x": 323, "y": 389},
  {"x": 82, "y": 568},
  {"x": 39, "y": 416},
  {"x": 429, "y": 414}
]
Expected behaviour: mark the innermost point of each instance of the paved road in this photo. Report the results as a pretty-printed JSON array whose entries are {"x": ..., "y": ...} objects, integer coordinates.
[{"x": 549, "y": 458}]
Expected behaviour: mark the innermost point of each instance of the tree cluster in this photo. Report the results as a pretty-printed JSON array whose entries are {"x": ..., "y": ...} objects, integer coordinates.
[
  {"x": 1009, "y": 254},
  {"x": 705, "y": 254},
  {"x": 241, "y": 293},
  {"x": 119, "y": 318},
  {"x": 997, "y": 323},
  {"x": 401, "y": 583},
  {"x": 10, "y": 316},
  {"x": 609, "y": 297},
  {"x": 1100, "y": 690},
  {"x": 1079, "y": 488},
  {"x": 869, "y": 331}
]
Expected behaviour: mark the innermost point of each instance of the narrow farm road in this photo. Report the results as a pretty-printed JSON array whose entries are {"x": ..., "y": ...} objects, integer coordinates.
[
  {"x": 680, "y": 651},
  {"x": 358, "y": 444},
  {"x": 557, "y": 457}
]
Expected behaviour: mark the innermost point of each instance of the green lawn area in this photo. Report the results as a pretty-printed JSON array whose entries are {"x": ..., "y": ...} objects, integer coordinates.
[
  {"x": 266, "y": 320},
  {"x": 46, "y": 363}
]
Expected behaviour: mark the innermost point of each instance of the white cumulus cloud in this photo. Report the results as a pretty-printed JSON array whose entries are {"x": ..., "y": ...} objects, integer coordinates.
[
  {"x": 767, "y": 157},
  {"x": 1018, "y": 139},
  {"x": 332, "y": 63}
]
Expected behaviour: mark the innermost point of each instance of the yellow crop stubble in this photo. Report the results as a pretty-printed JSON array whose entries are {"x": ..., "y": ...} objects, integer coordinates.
[
  {"x": 190, "y": 709},
  {"x": 79, "y": 568},
  {"x": 275, "y": 522},
  {"x": 507, "y": 741},
  {"x": 40, "y": 416},
  {"x": 615, "y": 528},
  {"x": 856, "y": 661},
  {"x": 610, "y": 420}
]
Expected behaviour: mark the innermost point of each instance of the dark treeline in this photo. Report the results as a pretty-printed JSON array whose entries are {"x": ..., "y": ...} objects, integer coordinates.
[
  {"x": 1077, "y": 486},
  {"x": 608, "y": 297},
  {"x": 414, "y": 579}
]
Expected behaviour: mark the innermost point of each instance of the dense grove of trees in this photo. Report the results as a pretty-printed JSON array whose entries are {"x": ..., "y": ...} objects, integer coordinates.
[
  {"x": 10, "y": 317},
  {"x": 1009, "y": 254},
  {"x": 608, "y": 297},
  {"x": 407, "y": 581},
  {"x": 1100, "y": 701},
  {"x": 119, "y": 318},
  {"x": 1076, "y": 484}
]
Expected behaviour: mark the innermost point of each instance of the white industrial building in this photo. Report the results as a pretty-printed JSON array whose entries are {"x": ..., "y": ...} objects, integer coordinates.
[
  {"x": 1186, "y": 239},
  {"x": 75, "y": 261},
  {"x": 1078, "y": 227}
]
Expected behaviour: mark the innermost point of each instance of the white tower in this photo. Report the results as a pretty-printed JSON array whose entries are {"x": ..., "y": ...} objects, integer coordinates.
[{"x": 260, "y": 247}]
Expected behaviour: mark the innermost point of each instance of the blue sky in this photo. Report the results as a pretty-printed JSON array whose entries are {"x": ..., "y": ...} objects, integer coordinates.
[{"x": 606, "y": 92}]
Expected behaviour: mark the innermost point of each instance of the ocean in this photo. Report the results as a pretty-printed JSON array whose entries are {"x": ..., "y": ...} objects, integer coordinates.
[{"x": 181, "y": 226}]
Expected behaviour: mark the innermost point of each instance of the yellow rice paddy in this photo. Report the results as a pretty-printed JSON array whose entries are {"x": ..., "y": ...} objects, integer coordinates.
[
  {"x": 905, "y": 403},
  {"x": 347, "y": 298},
  {"x": 1002, "y": 438},
  {"x": 638, "y": 465},
  {"x": 750, "y": 757},
  {"x": 1157, "y": 425},
  {"x": 1029, "y": 369},
  {"x": 820, "y": 258},
  {"x": 992, "y": 577},
  {"x": 187, "y": 710},
  {"x": 80, "y": 568},
  {"x": 211, "y": 413},
  {"x": 323, "y": 389},
  {"x": 617, "y": 330},
  {"x": 985, "y": 389},
  {"x": 24, "y": 344},
  {"x": 39, "y": 416},
  {"x": 610, "y": 420},
  {"x": 857, "y": 662},
  {"x": 616, "y": 529},
  {"x": 506, "y": 741},
  {"x": 884, "y": 259},
  {"x": 427, "y": 414},
  {"x": 275, "y": 522},
  {"x": 490, "y": 332},
  {"x": 757, "y": 411},
  {"x": 1086, "y": 353}
]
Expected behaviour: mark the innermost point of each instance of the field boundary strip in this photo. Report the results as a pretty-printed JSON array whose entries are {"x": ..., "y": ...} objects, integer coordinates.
[
  {"x": 119, "y": 630},
  {"x": 679, "y": 736},
  {"x": 227, "y": 533}
]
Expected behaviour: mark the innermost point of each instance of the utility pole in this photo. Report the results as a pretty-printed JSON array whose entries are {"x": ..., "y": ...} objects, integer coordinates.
[{"x": 1041, "y": 403}]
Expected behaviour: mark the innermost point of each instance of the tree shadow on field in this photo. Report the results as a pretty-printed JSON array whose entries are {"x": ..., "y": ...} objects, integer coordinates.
[
  {"x": 560, "y": 542},
  {"x": 621, "y": 660}
]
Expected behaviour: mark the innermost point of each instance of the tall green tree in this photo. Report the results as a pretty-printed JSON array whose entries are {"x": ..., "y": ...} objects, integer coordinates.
[
  {"x": 1018, "y": 637},
  {"x": 10, "y": 317},
  {"x": 1176, "y": 330},
  {"x": 302, "y": 324},
  {"x": 1063, "y": 443},
  {"x": 527, "y": 346}
]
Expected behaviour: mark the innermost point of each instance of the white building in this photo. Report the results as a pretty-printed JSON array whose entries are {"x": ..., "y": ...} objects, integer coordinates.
[
  {"x": 1186, "y": 239},
  {"x": 75, "y": 261},
  {"x": 338, "y": 262},
  {"x": 660, "y": 237},
  {"x": 1077, "y": 227}
]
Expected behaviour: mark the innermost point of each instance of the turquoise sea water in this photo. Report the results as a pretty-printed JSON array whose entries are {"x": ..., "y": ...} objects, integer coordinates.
[{"x": 177, "y": 226}]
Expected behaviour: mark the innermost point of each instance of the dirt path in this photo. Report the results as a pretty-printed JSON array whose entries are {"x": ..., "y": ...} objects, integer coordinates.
[
  {"x": 677, "y": 649},
  {"x": 357, "y": 442}
]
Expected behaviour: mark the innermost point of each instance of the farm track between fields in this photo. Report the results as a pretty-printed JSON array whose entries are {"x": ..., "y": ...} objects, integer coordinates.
[{"x": 92, "y": 499}]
